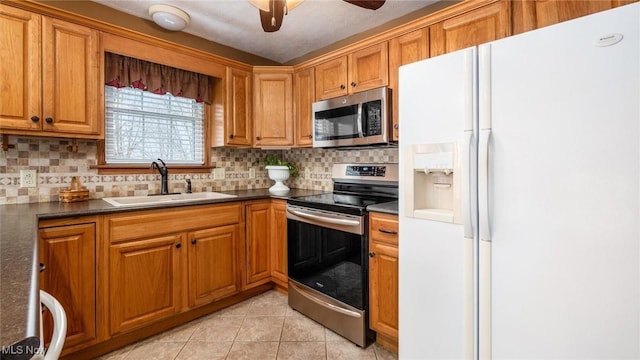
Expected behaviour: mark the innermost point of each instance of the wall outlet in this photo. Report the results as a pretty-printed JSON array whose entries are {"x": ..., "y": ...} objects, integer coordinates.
[
  {"x": 307, "y": 173},
  {"x": 252, "y": 173},
  {"x": 218, "y": 174},
  {"x": 28, "y": 178}
]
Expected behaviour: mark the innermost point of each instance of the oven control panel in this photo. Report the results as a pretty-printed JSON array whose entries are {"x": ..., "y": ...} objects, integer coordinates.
[{"x": 361, "y": 170}]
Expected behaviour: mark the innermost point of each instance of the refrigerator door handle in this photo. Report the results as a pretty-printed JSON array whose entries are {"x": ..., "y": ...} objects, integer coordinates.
[
  {"x": 483, "y": 185},
  {"x": 466, "y": 187}
]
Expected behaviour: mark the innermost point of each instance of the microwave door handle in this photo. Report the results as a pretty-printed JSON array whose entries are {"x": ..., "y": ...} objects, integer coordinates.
[{"x": 359, "y": 120}]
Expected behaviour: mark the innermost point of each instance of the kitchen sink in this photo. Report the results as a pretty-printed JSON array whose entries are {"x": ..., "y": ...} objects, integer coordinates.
[{"x": 165, "y": 199}]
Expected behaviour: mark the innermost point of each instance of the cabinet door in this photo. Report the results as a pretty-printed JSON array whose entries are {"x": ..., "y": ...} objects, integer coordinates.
[
  {"x": 278, "y": 228},
  {"x": 145, "y": 281},
  {"x": 537, "y": 14},
  {"x": 369, "y": 68},
  {"x": 68, "y": 253},
  {"x": 331, "y": 78},
  {"x": 258, "y": 247},
  {"x": 20, "y": 70},
  {"x": 383, "y": 290},
  {"x": 213, "y": 264},
  {"x": 238, "y": 124},
  {"x": 488, "y": 23},
  {"x": 303, "y": 97},
  {"x": 383, "y": 278},
  {"x": 403, "y": 50},
  {"x": 70, "y": 78},
  {"x": 273, "y": 109}
]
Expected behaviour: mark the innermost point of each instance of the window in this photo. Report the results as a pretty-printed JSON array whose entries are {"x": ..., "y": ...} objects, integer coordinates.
[{"x": 142, "y": 126}]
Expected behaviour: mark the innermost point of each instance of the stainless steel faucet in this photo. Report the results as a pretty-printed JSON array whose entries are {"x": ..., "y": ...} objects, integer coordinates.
[{"x": 164, "y": 174}]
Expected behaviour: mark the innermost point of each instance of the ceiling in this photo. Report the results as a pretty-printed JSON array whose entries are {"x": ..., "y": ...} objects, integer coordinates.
[{"x": 312, "y": 25}]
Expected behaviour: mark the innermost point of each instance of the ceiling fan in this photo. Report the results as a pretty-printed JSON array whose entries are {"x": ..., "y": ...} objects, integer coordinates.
[{"x": 273, "y": 11}]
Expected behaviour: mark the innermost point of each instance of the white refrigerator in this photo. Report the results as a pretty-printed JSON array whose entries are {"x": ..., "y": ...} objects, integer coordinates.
[{"x": 520, "y": 196}]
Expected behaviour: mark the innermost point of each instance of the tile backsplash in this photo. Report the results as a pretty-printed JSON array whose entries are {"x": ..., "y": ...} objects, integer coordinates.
[{"x": 55, "y": 165}]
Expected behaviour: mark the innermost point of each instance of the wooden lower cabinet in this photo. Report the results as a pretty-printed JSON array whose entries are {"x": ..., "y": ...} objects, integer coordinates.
[
  {"x": 278, "y": 222},
  {"x": 383, "y": 278},
  {"x": 168, "y": 261},
  {"x": 146, "y": 281},
  {"x": 67, "y": 251},
  {"x": 214, "y": 258},
  {"x": 258, "y": 267}
]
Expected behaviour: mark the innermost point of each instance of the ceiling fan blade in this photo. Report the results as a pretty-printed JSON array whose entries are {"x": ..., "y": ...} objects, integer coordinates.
[
  {"x": 367, "y": 4},
  {"x": 272, "y": 20}
]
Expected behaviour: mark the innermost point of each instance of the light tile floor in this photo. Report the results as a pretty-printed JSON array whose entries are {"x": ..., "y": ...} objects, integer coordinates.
[{"x": 261, "y": 328}]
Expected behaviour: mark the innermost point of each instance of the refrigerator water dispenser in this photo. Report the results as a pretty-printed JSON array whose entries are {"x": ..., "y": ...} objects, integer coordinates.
[{"x": 435, "y": 169}]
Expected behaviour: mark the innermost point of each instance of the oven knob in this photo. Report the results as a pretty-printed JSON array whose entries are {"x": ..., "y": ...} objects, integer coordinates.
[{"x": 372, "y": 254}]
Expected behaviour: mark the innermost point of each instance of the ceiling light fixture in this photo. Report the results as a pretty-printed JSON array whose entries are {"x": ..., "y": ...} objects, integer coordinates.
[{"x": 169, "y": 17}]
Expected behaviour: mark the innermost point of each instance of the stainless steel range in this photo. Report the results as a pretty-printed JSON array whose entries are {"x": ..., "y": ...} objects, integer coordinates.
[{"x": 328, "y": 247}]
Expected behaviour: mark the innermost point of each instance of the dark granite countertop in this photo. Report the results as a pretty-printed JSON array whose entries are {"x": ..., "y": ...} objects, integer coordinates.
[
  {"x": 387, "y": 208},
  {"x": 19, "y": 264}
]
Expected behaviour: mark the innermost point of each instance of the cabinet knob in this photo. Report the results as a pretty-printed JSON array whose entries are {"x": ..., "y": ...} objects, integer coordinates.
[
  {"x": 342, "y": 86},
  {"x": 396, "y": 126},
  {"x": 43, "y": 267},
  {"x": 310, "y": 136},
  {"x": 388, "y": 231},
  {"x": 372, "y": 254},
  {"x": 230, "y": 136},
  {"x": 353, "y": 84},
  {"x": 258, "y": 138},
  {"x": 178, "y": 246},
  {"x": 194, "y": 241},
  {"x": 35, "y": 118},
  {"x": 49, "y": 120}
]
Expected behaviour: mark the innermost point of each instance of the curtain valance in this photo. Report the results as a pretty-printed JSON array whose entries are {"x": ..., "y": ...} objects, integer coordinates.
[{"x": 121, "y": 71}]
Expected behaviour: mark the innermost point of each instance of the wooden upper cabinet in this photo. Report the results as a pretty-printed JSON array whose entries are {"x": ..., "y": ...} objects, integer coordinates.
[
  {"x": 238, "y": 122},
  {"x": 273, "y": 109},
  {"x": 361, "y": 70},
  {"x": 477, "y": 26},
  {"x": 51, "y": 70},
  {"x": 369, "y": 68},
  {"x": 68, "y": 254},
  {"x": 529, "y": 15},
  {"x": 405, "y": 49},
  {"x": 303, "y": 97},
  {"x": 331, "y": 78},
  {"x": 21, "y": 68}
]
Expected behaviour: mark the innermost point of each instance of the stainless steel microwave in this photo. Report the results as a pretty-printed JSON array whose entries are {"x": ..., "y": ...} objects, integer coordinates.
[{"x": 353, "y": 120}]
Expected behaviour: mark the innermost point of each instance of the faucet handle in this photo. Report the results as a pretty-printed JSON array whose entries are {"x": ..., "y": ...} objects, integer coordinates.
[
  {"x": 163, "y": 164},
  {"x": 188, "y": 186}
]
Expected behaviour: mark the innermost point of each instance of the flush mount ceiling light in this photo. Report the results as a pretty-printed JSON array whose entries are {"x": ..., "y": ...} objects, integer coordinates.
[
  {"x": 273, "y": 11},
  {"x": 169, "y": 17}
]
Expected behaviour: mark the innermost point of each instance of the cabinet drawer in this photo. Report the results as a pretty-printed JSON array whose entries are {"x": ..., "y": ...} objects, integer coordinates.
[
  {"x": 145, "y": 223},
  {"x": 383, "y": 228}
]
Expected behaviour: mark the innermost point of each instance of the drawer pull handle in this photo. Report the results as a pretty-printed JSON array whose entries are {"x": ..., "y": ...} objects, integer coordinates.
[
  {"x": 35, "y": 118},
  {"x": 388, "y": 231}
]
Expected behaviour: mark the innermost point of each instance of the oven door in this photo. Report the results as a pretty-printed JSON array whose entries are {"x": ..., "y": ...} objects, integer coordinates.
[{"x": 326, "y": 252}]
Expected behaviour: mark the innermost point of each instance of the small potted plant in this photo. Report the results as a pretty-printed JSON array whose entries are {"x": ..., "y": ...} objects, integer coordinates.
[{"x": 279, "y": 171}]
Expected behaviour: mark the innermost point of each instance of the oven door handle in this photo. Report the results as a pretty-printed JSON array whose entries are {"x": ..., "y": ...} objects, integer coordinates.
[
  {"x": 324, "y": 219},
  {"x": 326, "y": 304}
]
